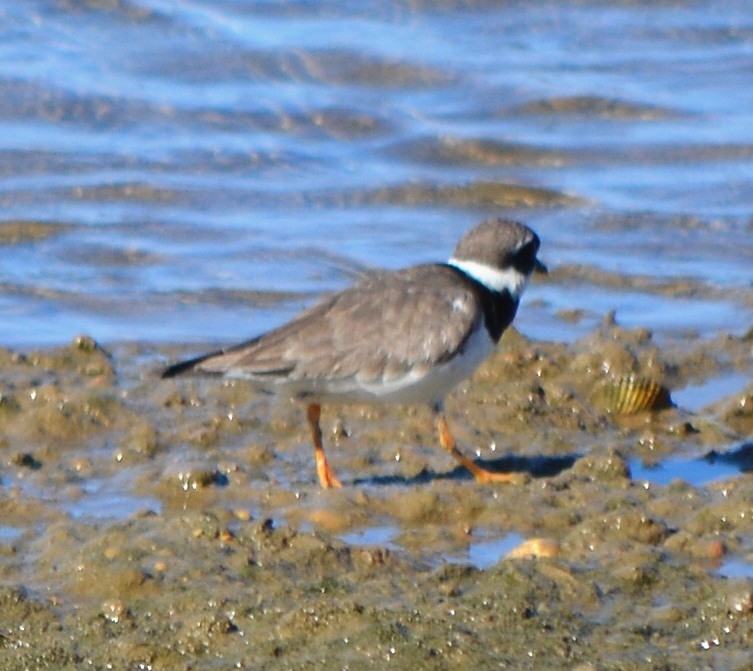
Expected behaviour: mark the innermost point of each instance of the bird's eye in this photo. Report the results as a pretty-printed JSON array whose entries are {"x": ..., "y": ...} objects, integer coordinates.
[{"x": 524, "y": 260}]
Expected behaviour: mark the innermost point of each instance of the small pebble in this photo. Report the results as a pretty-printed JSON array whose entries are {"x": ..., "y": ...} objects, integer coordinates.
[
  {"x": 534, "y": 548},
  {"x": 113, "y": 610}
]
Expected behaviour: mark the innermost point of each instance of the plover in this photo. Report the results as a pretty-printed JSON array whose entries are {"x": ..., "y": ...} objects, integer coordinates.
[{"x": 402, "y": 337}]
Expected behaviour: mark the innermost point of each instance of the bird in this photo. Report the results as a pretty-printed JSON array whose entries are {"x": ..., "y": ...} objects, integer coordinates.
[{"x": 396, "y": 337}]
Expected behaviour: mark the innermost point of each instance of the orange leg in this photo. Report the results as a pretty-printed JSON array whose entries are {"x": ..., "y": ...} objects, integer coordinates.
[
  {"x": 327, "y": 478},
  {"x": 447, "y": 441}
]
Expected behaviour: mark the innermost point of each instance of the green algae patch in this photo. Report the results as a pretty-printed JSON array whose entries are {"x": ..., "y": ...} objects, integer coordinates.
[{"x": 482, "y": 194}]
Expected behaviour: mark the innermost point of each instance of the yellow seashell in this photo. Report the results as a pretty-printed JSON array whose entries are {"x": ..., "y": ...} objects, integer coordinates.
[{"x": 630, "y": 394}]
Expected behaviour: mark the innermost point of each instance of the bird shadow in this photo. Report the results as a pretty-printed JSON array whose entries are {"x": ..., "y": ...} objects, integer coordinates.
[
  {"x": 741, "y": 457},
  {"x": 536, "y": 467}
]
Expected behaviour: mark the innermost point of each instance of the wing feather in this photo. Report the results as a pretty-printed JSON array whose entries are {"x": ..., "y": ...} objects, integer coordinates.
[{"x": 376, "y": 329}]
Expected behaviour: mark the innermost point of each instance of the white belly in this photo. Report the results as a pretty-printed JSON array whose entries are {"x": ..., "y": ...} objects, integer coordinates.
[{"x": 421, "y": 385}]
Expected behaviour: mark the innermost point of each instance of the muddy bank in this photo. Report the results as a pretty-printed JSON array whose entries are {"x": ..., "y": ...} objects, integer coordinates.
[{"x": 177, "y": 525}]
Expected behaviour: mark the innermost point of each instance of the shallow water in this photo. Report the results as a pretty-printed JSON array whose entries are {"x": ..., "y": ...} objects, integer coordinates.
[
  {"x": 696, "y": 397},
  {"x": 736, "y": 568},
  {"x": 697, "y": 472},
  {"x": 480, "y": 554},
  {"x": 484, "y": 554},
  {"x": 197, "y": 171}
]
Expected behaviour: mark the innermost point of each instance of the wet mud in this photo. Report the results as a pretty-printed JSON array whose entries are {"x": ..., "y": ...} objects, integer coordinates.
[{"x": 179, "y": 524}]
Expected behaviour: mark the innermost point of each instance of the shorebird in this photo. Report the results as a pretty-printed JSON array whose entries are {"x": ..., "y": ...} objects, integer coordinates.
[{"x": 404, "y": 337}]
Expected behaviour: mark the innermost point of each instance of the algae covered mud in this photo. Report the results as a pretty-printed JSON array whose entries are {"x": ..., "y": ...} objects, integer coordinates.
[
  {"x": 197, "y": 171},
  {"x": 149, "y": 524}
]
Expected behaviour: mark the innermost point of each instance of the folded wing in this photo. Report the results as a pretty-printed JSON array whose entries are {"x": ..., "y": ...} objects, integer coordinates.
[{"x": 377, "y": 329}]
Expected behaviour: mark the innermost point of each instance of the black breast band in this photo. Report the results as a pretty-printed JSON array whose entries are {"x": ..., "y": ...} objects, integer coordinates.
[{"x": 499, "y": 306}]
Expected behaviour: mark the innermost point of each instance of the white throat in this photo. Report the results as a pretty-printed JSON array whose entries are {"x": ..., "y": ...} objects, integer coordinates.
[{"x": 496, "y": 279}]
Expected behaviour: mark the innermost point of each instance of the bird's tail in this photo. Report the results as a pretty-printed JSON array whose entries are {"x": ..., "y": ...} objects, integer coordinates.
[{"x": 187, "y": 366}]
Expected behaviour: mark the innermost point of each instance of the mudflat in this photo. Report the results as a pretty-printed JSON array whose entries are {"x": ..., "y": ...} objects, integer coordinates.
[{"x": 149, "y": 524}]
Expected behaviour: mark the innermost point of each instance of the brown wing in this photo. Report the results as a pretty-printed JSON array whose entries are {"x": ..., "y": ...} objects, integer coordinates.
[{"x": 378, "y": 328}]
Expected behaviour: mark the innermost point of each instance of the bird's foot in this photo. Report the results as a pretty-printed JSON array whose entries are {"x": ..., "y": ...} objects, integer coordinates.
[
  {"x": 327, "y": 478},
  {"x": 485, "y": 477}
]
